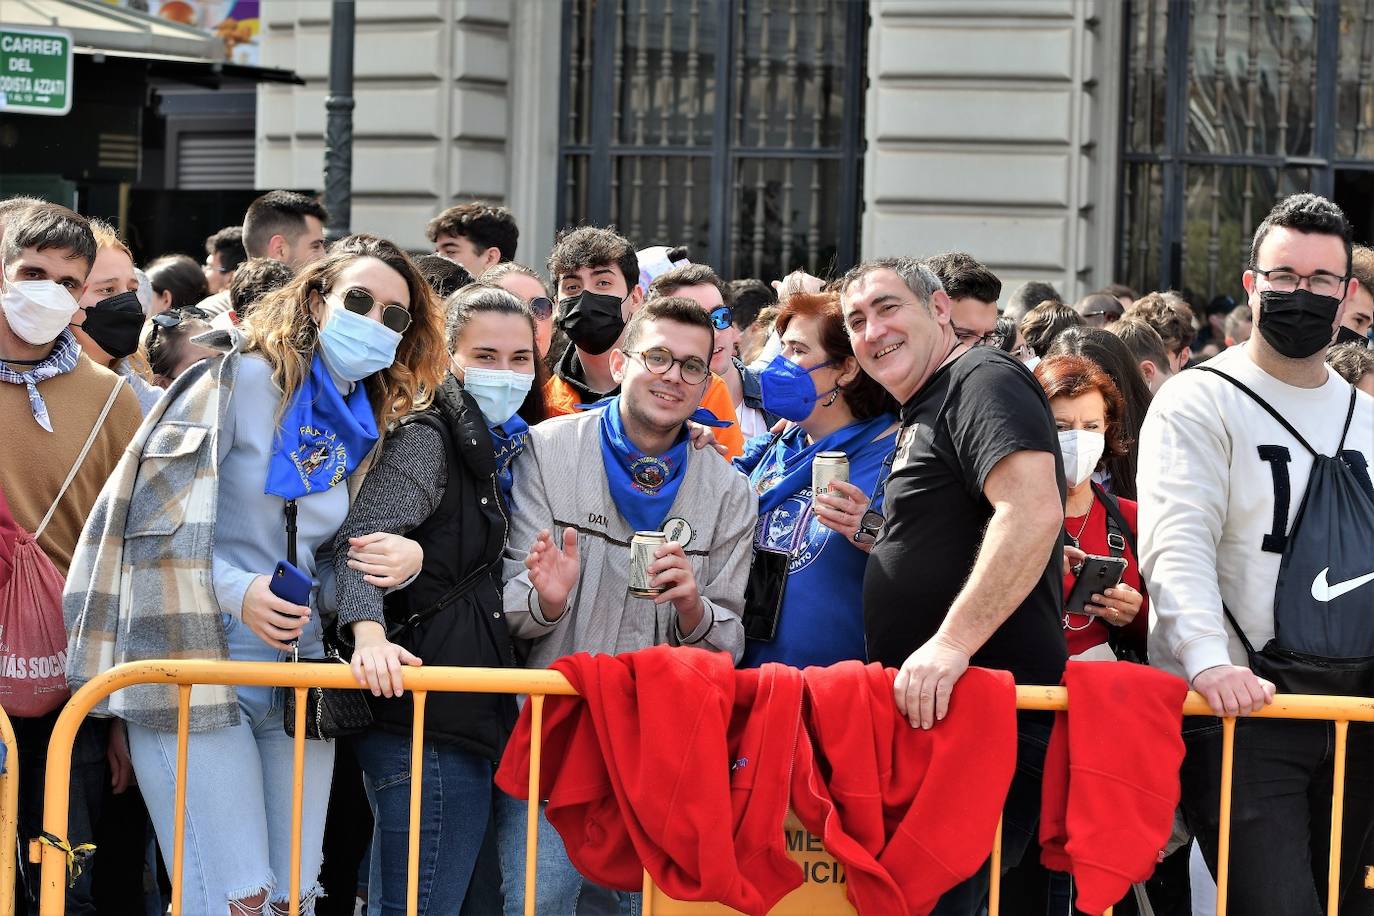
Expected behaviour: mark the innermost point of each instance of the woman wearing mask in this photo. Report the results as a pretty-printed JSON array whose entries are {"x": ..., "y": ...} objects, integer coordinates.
[
  {"x": 804, "y": 603},
  {"x": 442, "y": 479},
  {"x": 109, "y": 317},
  {"x": 1114, "y": 358},
  {"x": 256, "y": 446},
  {"x": 1087, "y": 410}
]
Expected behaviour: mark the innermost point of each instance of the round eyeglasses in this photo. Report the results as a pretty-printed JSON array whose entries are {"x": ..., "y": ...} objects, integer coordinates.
[{"x": 659, "y": 360}]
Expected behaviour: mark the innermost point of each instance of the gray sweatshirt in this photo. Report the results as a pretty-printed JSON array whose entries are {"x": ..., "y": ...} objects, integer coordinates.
[{"x": 560, "y": 482}]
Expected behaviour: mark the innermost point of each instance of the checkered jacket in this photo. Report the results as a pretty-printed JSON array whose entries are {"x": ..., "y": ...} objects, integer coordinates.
[{"x": 140, "y": 583}]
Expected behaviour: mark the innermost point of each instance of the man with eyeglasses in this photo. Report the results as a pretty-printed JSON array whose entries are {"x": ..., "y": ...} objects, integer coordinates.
[
  {"x": 700, "y": 283},
  {"x": 973, "y": 292},
  {"x": 584, "y": 485},
  {"x": 1256, "y": 519}
]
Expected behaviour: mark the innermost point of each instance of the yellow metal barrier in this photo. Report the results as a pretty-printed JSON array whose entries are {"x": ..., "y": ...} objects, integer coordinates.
[
  {"x": 9, "y": 817},
  {"x": 420, "y": 682}
]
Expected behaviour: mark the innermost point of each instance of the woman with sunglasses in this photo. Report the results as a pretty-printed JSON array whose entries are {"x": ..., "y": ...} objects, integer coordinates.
[
  {"x": 443, "y": 479},
  {"x": 168, "y": 346},
  {"x": 236, "y": 480},
  {"x": 529, "y": 288},
  {"x": 804, "y": 602}
]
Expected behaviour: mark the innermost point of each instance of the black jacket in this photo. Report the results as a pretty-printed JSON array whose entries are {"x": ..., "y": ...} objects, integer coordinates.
[{"x": 451, "y": 614}]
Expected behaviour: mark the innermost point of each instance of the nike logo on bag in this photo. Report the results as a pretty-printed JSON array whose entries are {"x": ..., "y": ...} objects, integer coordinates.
[{"x": 1323, "y": 592}]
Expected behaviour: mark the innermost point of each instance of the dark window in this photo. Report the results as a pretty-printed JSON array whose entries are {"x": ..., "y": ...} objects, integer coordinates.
[
  {"x": 1229, "y": 106},
  {"x": 731, "y": 127}
]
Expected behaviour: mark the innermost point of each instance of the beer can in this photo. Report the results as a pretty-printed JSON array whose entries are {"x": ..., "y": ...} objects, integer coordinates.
[
  {"x": 825, "y": 467},
  {"x": 642, "y": 548}
]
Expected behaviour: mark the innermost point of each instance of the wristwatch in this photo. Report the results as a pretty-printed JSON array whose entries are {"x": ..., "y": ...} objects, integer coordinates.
[{"x": 871, "y": 525}]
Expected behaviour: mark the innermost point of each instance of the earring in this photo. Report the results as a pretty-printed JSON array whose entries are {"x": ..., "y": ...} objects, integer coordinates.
[{"x": 833, "y": 395}]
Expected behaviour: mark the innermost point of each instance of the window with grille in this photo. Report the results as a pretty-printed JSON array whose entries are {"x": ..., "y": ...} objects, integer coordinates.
[
  {"x": 731, "y": 127},
  {"x": 1229, "y": 106}
]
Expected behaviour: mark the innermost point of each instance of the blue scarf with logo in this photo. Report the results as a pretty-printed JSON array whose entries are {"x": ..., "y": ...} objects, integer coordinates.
[
  {"x": 507, "y": 442},
  {"x": 785, "y": 468},
  {"x": 642, "y": 486},
  {"x": 323, "y": 436}
]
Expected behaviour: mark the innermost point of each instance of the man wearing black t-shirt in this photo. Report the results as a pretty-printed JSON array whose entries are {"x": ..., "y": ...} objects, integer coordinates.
[{"x": 968, "y": 569}]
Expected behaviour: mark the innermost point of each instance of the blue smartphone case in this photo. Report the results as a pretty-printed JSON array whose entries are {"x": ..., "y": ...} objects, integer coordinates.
[{"x": 290, "y": 584}]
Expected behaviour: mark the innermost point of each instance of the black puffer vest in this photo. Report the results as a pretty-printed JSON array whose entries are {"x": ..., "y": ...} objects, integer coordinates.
[{"x": 451, "y": 614}]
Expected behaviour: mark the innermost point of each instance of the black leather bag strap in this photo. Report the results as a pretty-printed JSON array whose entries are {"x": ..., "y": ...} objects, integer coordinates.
[{"x": 1119, "y": 533}]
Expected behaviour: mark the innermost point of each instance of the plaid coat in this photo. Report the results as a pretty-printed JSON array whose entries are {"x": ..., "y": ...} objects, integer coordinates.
[{"x": 140, "y": 584}]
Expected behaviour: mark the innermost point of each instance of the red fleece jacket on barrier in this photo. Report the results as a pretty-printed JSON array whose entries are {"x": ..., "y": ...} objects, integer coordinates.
[
  {"x": 1111, "y": 777},
  {"x": 672, "y": 760}
]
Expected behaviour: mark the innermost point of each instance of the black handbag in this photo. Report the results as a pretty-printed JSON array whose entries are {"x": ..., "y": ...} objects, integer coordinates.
[{"x": 329, "y": 712}]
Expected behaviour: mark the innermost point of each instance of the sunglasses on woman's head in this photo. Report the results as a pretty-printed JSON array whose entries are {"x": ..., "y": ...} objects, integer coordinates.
[
  {"x": 542, "y": 307},
  {"x": 361, "y": 302}
]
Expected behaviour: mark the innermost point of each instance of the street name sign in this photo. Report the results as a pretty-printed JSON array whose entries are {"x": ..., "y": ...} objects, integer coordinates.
[{"x": 35, "y": 71}]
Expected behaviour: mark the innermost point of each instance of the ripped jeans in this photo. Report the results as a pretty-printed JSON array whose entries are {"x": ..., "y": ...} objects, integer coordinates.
[{"x": 238, "y": 806}]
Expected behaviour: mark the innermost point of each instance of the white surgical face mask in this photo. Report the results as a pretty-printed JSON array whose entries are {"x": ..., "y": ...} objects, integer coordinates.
[
  {"x": 37, "y": 310},
  {"x": 498, "y": 392},
  {"x": 1082, "y": 450}
]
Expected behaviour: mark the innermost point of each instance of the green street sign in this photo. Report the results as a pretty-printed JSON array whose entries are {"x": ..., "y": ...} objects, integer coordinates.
[{"x": 35, "y": 71}]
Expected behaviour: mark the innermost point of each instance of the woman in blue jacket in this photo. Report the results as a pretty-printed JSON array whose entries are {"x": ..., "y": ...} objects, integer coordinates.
[{"x": 805, "y": 600}]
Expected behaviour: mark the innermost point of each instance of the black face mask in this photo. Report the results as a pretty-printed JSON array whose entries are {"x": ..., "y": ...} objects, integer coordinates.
[
  {"x": 591, "y": 321},
  {"x": 1346, "y": 336},
  {"x": 114, "y": 324},
  {"x": 1296, "y": 324}
]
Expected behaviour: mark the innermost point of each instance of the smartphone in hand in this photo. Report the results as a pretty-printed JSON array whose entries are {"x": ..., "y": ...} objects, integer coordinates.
[
  {"x": 1095, "y": 576},
  {"x": 291, "y": 584}
]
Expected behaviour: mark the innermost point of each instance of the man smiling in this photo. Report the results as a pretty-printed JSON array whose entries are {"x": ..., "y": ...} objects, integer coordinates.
[
  {"x": 585, "y": 484},
  {"x": 1256, "y": 518},
  {"x": 968, "y": 567}
]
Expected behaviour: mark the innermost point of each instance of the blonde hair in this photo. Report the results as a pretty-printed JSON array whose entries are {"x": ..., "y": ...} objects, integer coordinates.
[
  {"x": 283, "y": 330},
  {"x": 106, "y": 237}
]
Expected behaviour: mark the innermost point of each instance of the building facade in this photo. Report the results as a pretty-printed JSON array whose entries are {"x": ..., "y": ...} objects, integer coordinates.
[{"x": 1077, "y": 141}]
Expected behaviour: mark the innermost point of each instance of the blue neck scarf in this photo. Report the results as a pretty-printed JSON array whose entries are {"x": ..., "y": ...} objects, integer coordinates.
[
  {"x": 507, "y": 442},
  {"x": 785, "y": 469},
  {"x": 642, "y": 486},
  {"x": 323, "y": 436}
]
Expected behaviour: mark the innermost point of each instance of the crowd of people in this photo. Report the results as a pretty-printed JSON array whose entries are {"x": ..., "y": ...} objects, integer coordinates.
[{"x": 303, "y": 450}]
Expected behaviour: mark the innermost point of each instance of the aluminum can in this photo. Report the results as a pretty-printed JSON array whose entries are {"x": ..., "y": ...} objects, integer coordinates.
[
  {"x": 825, "y": 467},
  {"x": 642, "y": 548}
]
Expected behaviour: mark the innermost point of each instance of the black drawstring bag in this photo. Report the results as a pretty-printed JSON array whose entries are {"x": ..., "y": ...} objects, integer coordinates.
[{"x": 1324, "y": 600}]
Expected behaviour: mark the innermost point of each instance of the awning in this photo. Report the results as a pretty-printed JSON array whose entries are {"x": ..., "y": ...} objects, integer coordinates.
[
  {"x": 172, "y": 49},
  {"x": 195, "y": 69}
]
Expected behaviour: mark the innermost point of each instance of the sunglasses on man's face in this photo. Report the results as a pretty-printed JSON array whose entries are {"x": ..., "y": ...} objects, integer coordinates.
[
  {"x": 542, "y": 307},
  {"x": 361, "y": 302},
  {"x": 722, "y": 316}
]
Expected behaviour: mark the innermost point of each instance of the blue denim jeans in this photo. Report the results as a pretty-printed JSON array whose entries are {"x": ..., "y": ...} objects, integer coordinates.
[
  {"x": 238, "y": 805},
  {"x": 1020, "y": 815},
  {"x": 560, "y": 889},
  {"x": 455, "y": 804}
]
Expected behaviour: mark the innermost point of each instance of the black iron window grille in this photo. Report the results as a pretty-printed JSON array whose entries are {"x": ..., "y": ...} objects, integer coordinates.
[
  {"x": 733, "y": 127},
  {"x": 1229, "y": 106}
]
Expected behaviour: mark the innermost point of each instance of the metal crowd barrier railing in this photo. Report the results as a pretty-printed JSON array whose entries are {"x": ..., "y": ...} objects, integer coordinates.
[{"x": 420, "y": 682}]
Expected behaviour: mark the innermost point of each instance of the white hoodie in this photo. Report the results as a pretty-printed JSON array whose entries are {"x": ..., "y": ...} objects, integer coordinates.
[{"x": 1207, "y": 501}]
